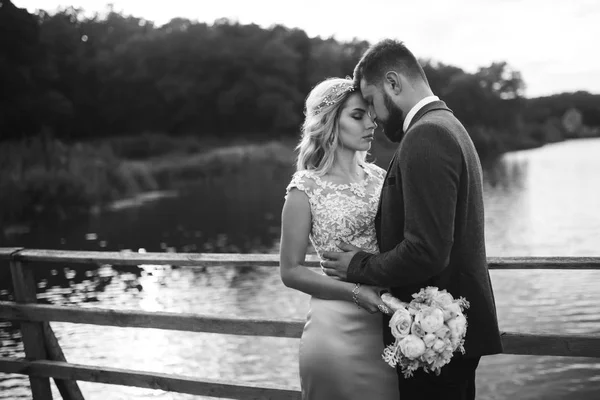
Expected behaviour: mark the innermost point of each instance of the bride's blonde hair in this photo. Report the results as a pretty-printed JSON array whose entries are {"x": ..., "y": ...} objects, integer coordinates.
[{"x": 320, "y": 130}]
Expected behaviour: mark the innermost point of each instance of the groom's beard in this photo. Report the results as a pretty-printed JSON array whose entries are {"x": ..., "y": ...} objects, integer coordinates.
[{"x": 392, "y": 128}]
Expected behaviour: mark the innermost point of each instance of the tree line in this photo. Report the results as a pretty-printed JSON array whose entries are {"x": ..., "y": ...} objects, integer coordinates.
[{"x": 78, "y": 77}]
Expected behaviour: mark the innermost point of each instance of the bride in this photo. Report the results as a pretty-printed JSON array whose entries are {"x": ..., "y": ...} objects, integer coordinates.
[{"x": 333, "y": 198}]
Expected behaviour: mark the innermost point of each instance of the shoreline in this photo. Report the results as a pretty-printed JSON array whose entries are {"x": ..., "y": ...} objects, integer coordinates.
[{"x": 101, "y": 176}]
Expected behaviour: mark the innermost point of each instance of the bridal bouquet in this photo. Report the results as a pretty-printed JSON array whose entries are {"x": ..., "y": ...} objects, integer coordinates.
[{"x": 428, "y": 330}]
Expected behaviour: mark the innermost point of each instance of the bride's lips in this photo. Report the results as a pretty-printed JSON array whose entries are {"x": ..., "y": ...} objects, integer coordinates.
[{"x": 368, "y": 137}]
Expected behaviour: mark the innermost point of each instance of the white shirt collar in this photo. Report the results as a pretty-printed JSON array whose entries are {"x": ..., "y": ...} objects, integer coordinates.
[{"x": 413, "y": 111}]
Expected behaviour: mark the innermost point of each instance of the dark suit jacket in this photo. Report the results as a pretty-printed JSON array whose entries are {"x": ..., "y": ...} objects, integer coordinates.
[{"x": 430, "y": 225}]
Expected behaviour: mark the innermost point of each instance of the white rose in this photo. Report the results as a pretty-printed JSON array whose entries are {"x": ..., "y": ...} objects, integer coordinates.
[
  {"x": 447, "y": 355},
  {"x": 417, "y": 330},
  {"x": 429, "y": 339},
  {"x": 452, "y": 310},
  {"x": 430, "y": 356},
  {"x": 444, "y": 299},
  {"x": 412, "y": 347},
  {"x": 439, "y": 346},
  {"x": 458, "y": 327},
  {"x": 430, "y": 318},
  {"x": 443, "y": 332},
  {"x": 400, "y": 323}
]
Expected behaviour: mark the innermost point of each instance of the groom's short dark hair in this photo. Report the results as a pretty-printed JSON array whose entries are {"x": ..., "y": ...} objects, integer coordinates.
[{"x": 387, "y": 55}]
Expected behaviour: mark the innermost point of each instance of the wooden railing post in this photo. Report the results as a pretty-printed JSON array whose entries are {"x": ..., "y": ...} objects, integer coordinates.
[
  {"x": 32, "y": 332},
  {"x": 47, "y": 359},
  {"x": 69, "y": 389}
]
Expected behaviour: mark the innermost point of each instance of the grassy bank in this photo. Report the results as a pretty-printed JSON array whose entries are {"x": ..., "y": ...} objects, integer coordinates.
[
  {"x": 177, "y": 170},
  {"x": 42, "y": 176},
  {"x": 46, "y": 178}
]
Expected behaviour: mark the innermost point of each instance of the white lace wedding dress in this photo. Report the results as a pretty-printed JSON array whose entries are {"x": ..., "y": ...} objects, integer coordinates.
[{"x": 341, "y": 345}]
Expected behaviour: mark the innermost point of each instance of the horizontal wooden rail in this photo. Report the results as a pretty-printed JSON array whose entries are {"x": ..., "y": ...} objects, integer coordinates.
[
  {"x": 5, "y": 252},
  {"x": 548, "y": 344},
  {"x": 36, "y": 316},
  {"x": 266, "y": 260},
  {"x": 158, "y": 320},
  {"x": 514, "y": 343},
  {"x": 148, "y": 380},
  {"x": 134, "y": 258}
]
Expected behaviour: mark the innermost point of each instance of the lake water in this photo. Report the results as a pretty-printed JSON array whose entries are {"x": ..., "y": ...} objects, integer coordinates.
[{"x": 542, "y": 202}]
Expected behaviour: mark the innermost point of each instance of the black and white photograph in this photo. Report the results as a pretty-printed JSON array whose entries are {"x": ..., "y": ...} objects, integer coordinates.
[{"x": 300, "y": 200}]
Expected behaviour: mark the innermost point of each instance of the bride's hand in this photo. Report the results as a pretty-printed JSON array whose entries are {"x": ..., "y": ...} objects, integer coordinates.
[{"x": 369, "y": 298}]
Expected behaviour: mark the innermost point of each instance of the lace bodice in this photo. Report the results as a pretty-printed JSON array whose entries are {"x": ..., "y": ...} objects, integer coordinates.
[{"x": 342, "y": 212}]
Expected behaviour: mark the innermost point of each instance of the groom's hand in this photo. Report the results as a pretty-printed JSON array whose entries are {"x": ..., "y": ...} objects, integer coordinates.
[{"x": 336, "y": 263}]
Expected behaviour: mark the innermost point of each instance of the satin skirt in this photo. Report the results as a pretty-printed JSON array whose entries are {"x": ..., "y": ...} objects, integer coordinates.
[{"x": 340, "y": 354}]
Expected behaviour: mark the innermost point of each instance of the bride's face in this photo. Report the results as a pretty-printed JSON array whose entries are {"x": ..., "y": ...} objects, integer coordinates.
[{"x": 356, "y": 125}]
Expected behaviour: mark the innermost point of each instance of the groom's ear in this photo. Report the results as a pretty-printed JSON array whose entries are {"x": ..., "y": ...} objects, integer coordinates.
[{"x": 393, "y": 80}]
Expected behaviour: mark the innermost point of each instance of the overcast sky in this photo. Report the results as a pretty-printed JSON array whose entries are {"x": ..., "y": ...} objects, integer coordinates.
[{"x": 554, "y": 43}]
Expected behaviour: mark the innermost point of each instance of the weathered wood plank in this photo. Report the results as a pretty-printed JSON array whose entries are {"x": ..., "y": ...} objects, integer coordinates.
[
  {"x": 544, "y": 263},
  {"x": 133, "y": 258},
  {"x": 69, "y": 390},
  {"x": 149, "y": 380},
  {"x": 157, "y": 320},
  {"x": 515, "y": 343},
  {"x": 267, "y": 260},
  {"x": 33, "y": 336},
  {"x": 5, "y": 252},
  {"x": 551, "y": 345}
]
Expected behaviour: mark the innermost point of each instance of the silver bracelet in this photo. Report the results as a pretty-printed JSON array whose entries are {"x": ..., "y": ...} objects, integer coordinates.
[{"x": 355, "y": 292}]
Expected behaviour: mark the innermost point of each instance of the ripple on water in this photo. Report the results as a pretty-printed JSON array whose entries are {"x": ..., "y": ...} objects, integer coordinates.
[{"x": 525, "y": 216}]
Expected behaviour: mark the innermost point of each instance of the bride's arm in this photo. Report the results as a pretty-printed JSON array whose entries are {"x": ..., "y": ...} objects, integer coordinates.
[{"x": 295, "y": 228}]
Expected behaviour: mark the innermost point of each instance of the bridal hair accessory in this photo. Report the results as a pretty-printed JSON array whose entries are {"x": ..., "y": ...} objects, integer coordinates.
[
  {"x": 428, "y": 331},
  {"x": 335, "y": 95}
]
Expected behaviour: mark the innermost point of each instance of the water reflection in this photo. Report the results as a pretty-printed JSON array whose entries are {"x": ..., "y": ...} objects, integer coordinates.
[
  {"x": 545, "y": 201},
  {"x": 542, "y": 202},
  {"x": 506, "y": 174}
]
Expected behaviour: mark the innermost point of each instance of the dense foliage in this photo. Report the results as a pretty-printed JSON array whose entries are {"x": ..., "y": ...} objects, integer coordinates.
[
  {"x": 87, "y": 104},
  {"x": 88, "y": 77}
]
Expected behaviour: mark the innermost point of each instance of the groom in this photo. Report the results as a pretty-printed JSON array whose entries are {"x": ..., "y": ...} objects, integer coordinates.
[{"x": 430, "y": 221}]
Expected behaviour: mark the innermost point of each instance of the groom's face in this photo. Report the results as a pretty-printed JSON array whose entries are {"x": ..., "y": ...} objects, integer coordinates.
[{"x": 388, "y": 114}]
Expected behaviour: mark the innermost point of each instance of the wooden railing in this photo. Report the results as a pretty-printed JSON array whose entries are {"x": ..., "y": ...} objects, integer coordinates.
[{"x": 44, "y": 358}]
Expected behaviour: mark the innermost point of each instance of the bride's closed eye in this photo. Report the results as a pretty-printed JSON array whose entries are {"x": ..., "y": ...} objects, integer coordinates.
[{"x": 358, "y": 115}]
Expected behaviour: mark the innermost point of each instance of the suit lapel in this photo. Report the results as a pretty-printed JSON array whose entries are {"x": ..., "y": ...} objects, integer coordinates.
[{"x": 436, "y": 105}]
